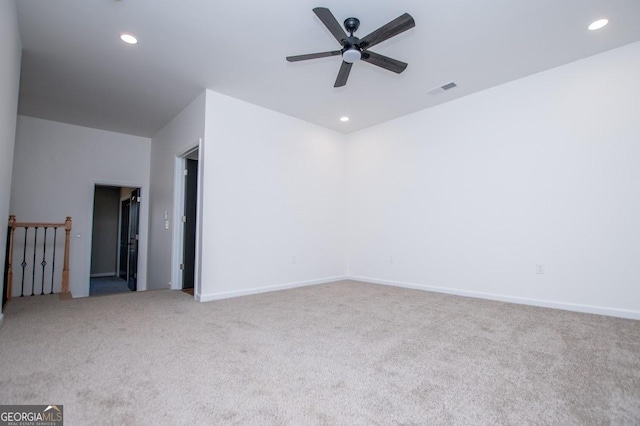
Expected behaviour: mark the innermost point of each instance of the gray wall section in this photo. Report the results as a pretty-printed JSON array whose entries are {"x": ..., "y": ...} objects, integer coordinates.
[{"x": 104, "y": 243}]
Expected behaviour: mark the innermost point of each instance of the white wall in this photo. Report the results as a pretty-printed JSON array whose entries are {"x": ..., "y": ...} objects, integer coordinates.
[
  {"x": 10, "y": 54},
  {"x": 56, "y": 167},
  {"x": 177, "y": 137},
  {"x": 467, "y": 197},
  {"x": 273, "y": 189}
]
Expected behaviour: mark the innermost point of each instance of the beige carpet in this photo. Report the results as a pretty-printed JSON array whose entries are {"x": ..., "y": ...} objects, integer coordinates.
[{"x": 341, "y": 353}]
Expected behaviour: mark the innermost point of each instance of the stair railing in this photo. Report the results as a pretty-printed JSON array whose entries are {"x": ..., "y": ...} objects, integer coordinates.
[{"x": 37, "y": 253}]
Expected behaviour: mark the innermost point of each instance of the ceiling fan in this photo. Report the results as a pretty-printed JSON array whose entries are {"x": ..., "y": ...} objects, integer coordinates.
[{"x": 354, "y": 48}]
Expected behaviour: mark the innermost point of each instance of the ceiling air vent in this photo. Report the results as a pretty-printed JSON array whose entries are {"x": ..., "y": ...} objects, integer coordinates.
[{"x": 443, "y": 88}]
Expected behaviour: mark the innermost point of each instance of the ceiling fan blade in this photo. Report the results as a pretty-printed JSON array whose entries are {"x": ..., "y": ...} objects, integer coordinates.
[
  {"x": 331, "y": 23},
  {"x": 393, "y": 28},
  {"x": 384, "y": 61},
  {"x": 343, "y": 74},
  {"x": 313, "y": 56}
]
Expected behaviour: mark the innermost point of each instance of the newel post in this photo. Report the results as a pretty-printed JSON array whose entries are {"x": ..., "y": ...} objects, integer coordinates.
[
  {"x": 12, "y": 228},
  {"x": 64, "y": 292}
]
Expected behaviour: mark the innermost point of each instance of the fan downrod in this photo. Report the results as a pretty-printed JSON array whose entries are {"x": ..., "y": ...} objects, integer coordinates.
[{"x": 351, "y": 25}]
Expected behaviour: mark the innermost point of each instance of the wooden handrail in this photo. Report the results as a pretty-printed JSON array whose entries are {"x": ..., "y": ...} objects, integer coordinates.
[
  {"x": 13, "y": 224},
  {"x": 38, "y": 225}
]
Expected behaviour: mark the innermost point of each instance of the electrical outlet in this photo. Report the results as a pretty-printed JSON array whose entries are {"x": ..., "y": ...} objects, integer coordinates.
[{"x": 539, "y": 268}]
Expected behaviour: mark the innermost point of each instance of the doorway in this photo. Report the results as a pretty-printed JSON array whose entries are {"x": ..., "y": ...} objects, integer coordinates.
[
  {"x": 114, "y": 242},
  {"x": 190, "y": 217},
  {"x": 187, "y": 205}
]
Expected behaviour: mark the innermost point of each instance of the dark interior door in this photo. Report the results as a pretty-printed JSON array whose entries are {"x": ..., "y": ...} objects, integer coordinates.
[
  {"x": 134, "y": 218},
  {"x": 124, "y": 239},
  {"x": 190, "y": 204}
]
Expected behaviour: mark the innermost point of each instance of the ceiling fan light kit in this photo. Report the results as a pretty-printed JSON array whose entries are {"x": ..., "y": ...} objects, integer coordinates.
[
  {"x": 354, "y": 48},
  {"x": 351, "y": 55}
]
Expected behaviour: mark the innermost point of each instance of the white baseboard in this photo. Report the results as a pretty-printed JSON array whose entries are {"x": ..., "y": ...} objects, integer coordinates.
[
  {"x": 104, "y": 274},
  {"x": 257, "y": 290},
  {"x": 575, "y": 307},
  {"x": 1, "y": 319}
]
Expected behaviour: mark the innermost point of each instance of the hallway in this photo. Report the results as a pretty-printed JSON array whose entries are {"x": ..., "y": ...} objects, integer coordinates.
[{"x": 101, "y": 286}]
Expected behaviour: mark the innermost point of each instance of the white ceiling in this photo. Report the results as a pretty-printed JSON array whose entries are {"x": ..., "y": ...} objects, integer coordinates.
[{"x": 75, "y": 68}]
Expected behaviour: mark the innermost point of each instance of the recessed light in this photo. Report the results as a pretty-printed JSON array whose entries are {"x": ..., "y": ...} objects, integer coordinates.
[
  {"x": 598, "y": 24},
  {"x": 128, "y": 38},
  {"x": 344, "y": 119}
]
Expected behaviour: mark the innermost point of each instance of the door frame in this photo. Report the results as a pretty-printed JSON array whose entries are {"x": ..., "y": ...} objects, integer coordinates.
[
  {"x": 178, "y": 212},
  {"x": 143, "y": 229}
]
